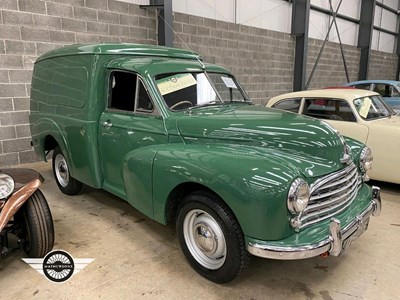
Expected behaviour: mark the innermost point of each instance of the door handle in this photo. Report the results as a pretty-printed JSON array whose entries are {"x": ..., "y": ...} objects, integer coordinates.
[{"x": 107, "y": 124}]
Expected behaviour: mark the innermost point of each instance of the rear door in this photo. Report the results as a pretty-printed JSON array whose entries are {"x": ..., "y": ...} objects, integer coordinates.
[{"x": 129, "y": 123}]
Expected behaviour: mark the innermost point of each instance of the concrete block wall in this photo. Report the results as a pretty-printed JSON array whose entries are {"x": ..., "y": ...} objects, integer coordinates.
[
  {"x": 261, "y": 59},
  {"x": 330, "y": 69},
  {"x": 382, "y": 65},
  {"x": 28, "y": 28}
]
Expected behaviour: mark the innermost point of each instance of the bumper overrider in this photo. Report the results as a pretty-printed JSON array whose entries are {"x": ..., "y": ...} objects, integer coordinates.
[{"x": 336, "y": 242}]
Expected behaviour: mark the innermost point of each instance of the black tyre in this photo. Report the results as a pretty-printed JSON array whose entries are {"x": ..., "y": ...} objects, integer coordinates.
[
  {"x": 211, "y": 238},
  {"x": 36, "y": 226},
  {"x": 66, "y": 183}
]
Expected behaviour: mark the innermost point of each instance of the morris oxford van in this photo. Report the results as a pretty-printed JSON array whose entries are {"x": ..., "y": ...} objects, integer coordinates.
[{"x": 181, "y": 141}]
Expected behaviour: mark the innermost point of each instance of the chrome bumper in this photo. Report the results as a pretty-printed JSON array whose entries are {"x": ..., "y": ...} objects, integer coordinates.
[{"x": 338, "y": 239}]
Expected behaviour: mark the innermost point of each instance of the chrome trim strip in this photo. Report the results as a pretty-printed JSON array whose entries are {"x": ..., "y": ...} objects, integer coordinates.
[
  {"x": 335, "y": 183},
  {"x": 316, "y": 220},
  {"x": 325, "y": 210},
  {"x": 324, "y": 205},
  {"x": 331, "y": 202},
  {"x": 333, "y": 243},
  {"x": 335, "y": 237},
  {"x": 344, "y": 179},
  {"x": 376, "y": 197},
  {"x": 324, "y": 180}
]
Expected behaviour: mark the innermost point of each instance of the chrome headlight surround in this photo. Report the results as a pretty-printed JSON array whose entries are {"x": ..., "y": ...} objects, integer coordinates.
[
  {"x": 7, "y": 185},
  {"x": 298, "y": 196},
  {"x": 366, "y": 159}
]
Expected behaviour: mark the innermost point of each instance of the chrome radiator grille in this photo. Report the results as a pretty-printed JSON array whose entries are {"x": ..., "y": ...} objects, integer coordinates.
[{"x": 331, "y": 195}]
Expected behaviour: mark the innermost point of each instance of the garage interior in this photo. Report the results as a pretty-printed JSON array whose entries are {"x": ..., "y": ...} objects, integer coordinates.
[{"x": 273, "y": 47}]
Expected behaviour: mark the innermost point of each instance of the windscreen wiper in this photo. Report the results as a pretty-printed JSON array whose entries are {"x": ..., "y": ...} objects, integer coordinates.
[{"x": 212, "y": 103}]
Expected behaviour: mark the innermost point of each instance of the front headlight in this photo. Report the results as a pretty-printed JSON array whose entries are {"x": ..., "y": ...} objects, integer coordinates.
[
  {"x": 366, "y": 159},
  {"x": 298, "y": 196},
  {"x": 6, "y": 185}
]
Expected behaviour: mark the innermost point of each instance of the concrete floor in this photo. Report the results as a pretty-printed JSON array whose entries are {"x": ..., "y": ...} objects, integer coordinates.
[{"x": 136, "y": 258}]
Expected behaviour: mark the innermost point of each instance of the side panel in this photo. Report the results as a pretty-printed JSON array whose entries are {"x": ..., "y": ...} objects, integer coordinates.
[
  {"x": 61, "y": 107},
  {"x": 254, "y": 187},
  {"x": 73, "y": 137},
  {"x": 126, "y": 136},
  {"x": 137, "y": 171},
  {"x": 386, "y": 164},
  {"x": 354, "y": 130}
]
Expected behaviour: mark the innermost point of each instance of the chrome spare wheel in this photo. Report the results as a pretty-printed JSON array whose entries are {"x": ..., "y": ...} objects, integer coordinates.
[
  {"x": 204, "y": 239},
  {"x": 61, "y": 170}
]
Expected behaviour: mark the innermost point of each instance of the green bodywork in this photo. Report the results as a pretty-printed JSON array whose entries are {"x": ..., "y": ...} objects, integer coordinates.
[{"x": 248, "y": 155}]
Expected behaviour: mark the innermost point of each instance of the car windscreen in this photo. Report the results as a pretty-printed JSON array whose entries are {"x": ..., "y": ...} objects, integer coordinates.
[
  {"x": 372, "y": 107},
  {"x": 185, "y": 90}
]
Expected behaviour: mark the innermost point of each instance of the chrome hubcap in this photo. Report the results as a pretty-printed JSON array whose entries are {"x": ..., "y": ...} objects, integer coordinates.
[
  {"x": 61, "y": 170},
  {"x": 204, "y": 239}
]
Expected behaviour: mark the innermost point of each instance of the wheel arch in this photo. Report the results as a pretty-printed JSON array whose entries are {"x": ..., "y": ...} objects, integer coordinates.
[
  {"x": 178, "y": 194},
  {"x": 46, "y": 135},
  {"x": 49, "y": 143},
  {"x": 243, "y": 183}
]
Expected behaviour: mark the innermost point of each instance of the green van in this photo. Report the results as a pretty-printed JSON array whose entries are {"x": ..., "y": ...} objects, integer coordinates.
[{"x": 181, "y": 141}]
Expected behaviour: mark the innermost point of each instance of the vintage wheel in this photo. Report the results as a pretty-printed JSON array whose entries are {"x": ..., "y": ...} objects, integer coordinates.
[
  {"x": 36, "y": 226},
  {"x": 66, "y": 183},
  {"x": 211, "y": 238}
]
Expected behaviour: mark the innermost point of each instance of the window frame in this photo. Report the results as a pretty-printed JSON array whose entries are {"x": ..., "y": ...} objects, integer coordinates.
[
  {"x": 355, "y": 115},
  {"x": 136, "y": 111},
  {"x": 289, "y": 99},
  {"x": 246, "y": 98},
  {"x": 357, "y": 86}
]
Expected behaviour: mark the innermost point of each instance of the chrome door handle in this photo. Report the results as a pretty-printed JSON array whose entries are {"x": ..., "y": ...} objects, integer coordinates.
[{"x": 107, "y": 124}]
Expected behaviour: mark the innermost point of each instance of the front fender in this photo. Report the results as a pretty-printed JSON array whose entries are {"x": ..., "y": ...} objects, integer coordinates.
[
  {"x": 22, "y": 176},
  {"x": 21, "y": 193},
  {"x": 254, "y": 187}
]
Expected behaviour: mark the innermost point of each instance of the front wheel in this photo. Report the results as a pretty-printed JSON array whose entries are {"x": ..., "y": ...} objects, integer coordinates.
[
  {"x": 66, "y": 183},
  {"x": 211, "y": 238},
  {"x": 36, "y": 226}
]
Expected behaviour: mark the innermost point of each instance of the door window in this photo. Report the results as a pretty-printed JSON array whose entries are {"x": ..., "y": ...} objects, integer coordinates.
[
  {"x": 364, "y": 86},
  {"x": 382, "y": 89},
  {"x": 327, "y": 108},
  {"x": 128, "y": 93},
  {"x": 292, "y": 105}
]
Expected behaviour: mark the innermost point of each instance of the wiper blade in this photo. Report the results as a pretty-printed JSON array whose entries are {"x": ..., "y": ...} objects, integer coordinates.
[
  {"x": 238, "y": 101},
  {"x": 212, "y": 103}
]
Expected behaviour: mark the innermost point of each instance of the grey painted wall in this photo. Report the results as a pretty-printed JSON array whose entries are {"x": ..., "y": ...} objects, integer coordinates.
[{"x": 262, "y": 59}]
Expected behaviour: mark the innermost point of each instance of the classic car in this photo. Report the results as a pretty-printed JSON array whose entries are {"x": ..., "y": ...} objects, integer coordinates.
[
  {"x": 359, "y": 114},
  {"x": 24, "y": 213},
  {"x": 388, "y": 89},
  {"x": 181, "y": 141}
]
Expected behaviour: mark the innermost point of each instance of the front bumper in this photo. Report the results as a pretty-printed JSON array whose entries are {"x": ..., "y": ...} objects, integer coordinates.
[{"x": 335, "y": 243}]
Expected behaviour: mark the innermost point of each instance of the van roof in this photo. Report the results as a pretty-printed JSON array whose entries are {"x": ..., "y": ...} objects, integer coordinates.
[{"x": 121, "y": 49}]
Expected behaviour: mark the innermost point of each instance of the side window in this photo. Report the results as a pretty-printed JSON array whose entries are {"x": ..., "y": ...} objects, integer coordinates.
[
  {"x": 363, "y": 86},
  {"x": 122, "y": 91},
  {"x": 330, "y": 109},
  {"x": 127, "y": 93},
  {"x": 292, "y": 105},
  {"x": 394, "y": 92},
  {"x": 144, "y": 103},
  {"x": 382, "y": 89}
]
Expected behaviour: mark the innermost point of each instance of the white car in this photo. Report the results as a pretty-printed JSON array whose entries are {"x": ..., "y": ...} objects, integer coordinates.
[{"x": 359, "y": 114}]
